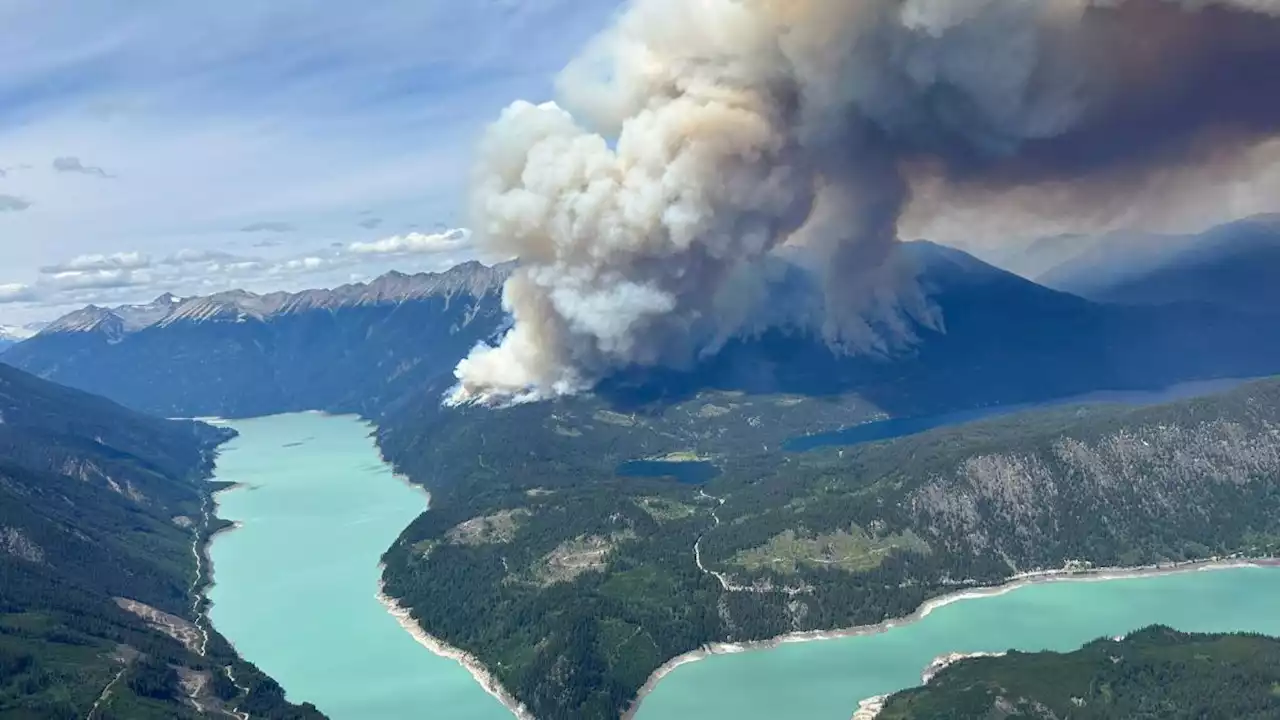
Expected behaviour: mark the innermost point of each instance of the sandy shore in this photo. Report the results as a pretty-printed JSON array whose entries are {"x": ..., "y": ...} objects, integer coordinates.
[
  {"x": 466, "y": 660},
  {"x": 1014, "y": 583}
]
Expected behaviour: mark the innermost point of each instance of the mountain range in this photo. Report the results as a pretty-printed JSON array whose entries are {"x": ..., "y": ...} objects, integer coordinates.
[
  {"x": 389, "y": 346},
  {"x": 1231, "y": 265},
  {"x": 387, "y": 349},
  {"x": 356, "y": 348}
]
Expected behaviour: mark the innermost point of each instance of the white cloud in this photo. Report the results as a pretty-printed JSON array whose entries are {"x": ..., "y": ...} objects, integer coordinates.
[
  {"x": 414, "y": 243},
  {"x": 306, "y": 264},
  {"x": 292, "y": 112},
  {"x": 94, "y": 280},
  {"x": 134, "y": 276},
  {"x": 16, "y": 292},
  {"x": 117, "y": 261}
]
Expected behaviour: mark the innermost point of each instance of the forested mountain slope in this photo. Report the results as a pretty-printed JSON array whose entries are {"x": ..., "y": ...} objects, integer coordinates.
[
  {"x": 1156, "y": 672},
  {"x": 574, "y": 584},
  {"x": 100, "y": 512}
]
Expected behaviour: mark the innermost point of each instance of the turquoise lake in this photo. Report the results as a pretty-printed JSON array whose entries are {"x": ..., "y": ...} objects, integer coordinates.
[
  {"x": 825, "y": 680},
  {"x": 295, "y": 591},
  {"x": 295, "y": 587}
]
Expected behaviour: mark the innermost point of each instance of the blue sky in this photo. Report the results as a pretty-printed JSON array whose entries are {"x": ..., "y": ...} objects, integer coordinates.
[{"x": 152, "y": 146}]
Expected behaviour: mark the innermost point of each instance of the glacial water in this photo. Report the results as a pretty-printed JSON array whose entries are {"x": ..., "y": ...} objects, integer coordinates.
[
  {"x": 825, "y": 680},
  {"x": 295, "y": 587}
]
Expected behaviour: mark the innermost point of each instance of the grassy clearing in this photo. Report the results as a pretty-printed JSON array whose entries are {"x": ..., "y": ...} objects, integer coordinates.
[
  {"x": 574, "y": 557},
  {"x": 664, "y": 509},
  {"x": 492, "y": 529}
]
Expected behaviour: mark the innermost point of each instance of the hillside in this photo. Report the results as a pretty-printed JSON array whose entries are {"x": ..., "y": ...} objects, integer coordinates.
[
  {"x": 1231, "y": 266},
  {"x": 352, "y": 349},
  {"x": 573, "y": 584},
  {"x": 387, "y": 349},
  {"x": 1156, "y": 672},
  {"x": 11, "y": 335},
  {"x": 100, "y": 508}
]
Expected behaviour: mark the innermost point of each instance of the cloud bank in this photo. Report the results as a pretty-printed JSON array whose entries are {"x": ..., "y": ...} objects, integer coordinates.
[
  {"x": 414, "y": 243},
  {"x": 693, "y": 139},
  {"x": 134, "y": 276}
]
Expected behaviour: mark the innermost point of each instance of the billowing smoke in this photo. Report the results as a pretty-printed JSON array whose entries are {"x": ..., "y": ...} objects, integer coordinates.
[{"x": 696, "y": 138}]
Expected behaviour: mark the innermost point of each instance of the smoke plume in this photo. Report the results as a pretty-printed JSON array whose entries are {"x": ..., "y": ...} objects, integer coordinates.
[{"x": 695, "y": 138}]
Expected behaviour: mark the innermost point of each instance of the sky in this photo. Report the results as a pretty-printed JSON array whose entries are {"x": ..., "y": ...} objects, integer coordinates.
[{"x": 155, "y": 146}]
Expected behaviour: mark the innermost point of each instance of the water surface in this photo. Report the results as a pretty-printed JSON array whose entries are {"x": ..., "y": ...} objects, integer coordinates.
[
  {"x": 826, "y": 680},
  {"x": 901, "y": 427},
  {"x": 294, "y": 587}
]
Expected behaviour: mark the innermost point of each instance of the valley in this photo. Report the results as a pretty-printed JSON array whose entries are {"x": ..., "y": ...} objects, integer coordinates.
[
  {"x": 100, "y": 616},
  {"x": 640, "y": 360},
  {"x": 571, "y": 555},
  {"x": 297, "y": 580}
]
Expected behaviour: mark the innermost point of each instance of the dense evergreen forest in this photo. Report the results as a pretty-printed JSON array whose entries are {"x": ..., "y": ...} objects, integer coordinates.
[
  {"x": 1153, "y": 673},
  {"x": 100, "y": 509},
  {"x": 573, "y": 584}
]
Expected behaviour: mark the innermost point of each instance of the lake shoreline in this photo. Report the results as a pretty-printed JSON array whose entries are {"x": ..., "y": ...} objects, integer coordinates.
[
  {"x": 1016, "y": 582},
  {"x": 207, "y": 548},
  {"x": 482, "y": 675}
]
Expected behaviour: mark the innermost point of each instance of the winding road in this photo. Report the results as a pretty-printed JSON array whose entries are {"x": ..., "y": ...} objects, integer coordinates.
[{"x": 727, "y": 584}]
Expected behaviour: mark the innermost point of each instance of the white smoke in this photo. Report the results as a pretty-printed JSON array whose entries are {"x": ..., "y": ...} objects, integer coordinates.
[{"x": 695, "y": 137}]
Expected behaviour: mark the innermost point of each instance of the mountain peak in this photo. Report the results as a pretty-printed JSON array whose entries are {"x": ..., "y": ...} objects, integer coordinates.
[{"x": 469, "y": 278}]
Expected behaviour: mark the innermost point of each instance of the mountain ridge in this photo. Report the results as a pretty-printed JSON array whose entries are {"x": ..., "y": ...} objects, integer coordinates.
[
  {"x": 356, "y": 349},
  {"x": 1232, "y": 266},
  {"x": 471, "y": 277}
]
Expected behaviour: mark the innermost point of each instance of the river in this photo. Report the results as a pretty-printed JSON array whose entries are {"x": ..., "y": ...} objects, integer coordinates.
[{"x": 295, "y": 586}]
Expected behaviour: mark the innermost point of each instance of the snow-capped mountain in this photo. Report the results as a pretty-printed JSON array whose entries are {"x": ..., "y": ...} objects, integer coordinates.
[
  {"x": 240, "y": 353},
  {"x": 238, "y": 306}
]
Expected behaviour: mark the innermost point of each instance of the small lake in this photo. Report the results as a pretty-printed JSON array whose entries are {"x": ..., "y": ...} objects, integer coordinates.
[
  {"x": 688, "y": 472},
  {"x": 294, "y": 587},
  {"x": 900, "y": 427},
  {"x": 826, "y": 680}
]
